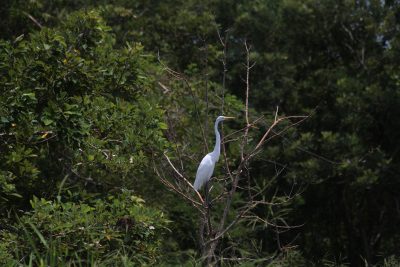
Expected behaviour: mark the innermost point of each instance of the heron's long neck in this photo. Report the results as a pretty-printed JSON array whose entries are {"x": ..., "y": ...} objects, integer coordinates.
[{"x": 217, "y": 148}]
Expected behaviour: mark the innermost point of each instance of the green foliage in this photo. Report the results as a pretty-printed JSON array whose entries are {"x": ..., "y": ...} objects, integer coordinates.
[
  {"x": 68, "y": 95},
  {"x": 57, "y": 233},
  {"x": 291, "y": 258},
  {"x": 77, "y": 112},
  {"x": 83, "y": 105},
  {"x": 391, "y": 261}
]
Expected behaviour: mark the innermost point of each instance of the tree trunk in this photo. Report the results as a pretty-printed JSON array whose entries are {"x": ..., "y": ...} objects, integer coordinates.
[{"x": 209, "y": 254}]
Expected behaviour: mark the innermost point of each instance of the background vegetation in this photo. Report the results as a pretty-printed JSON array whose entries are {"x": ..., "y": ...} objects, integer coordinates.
[{"x": 93, "y": 93}]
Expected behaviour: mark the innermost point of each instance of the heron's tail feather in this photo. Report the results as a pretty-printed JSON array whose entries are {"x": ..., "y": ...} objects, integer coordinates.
[{"x": 197, "y": 184}]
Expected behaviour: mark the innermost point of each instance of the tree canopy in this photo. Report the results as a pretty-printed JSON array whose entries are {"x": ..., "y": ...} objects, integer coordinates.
[{"x": 99, "y": 97}]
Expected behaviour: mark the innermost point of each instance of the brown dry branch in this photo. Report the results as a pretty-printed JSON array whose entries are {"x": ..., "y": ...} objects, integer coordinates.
[
  {"x": 180, "y": 175},
  {"x": 177, "y": 189},
  {"x": 210, "y": 234},
  {"x": 212, "y": 230}
]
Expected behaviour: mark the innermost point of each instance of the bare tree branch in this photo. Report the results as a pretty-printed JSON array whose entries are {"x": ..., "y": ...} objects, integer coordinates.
[{"x": 238, "y": 178}]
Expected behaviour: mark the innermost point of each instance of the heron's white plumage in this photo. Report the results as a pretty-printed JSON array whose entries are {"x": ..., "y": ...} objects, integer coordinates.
[
  {"x": 204, "y": 172},
  {"x": 207, "y": 164}
]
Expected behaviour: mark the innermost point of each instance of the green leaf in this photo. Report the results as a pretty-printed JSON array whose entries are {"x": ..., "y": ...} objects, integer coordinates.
[
  {"x": 4, "y": 120},
  {"x": 163, "y": 126},
  {"x": 19, "y": 38},
  {"x": 42, "y": 239},
  {"x": 47, "y": 121},
  {"x": 30, "y": 96}
]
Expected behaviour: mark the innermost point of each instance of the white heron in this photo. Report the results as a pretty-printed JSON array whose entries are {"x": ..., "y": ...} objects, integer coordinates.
[{"x": 207, "y": 164}]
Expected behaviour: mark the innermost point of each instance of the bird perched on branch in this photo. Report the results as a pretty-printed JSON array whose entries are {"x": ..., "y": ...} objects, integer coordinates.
[{"x": 207, "y": 164}]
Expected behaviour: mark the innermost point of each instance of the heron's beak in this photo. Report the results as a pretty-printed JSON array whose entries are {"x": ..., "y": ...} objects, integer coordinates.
[{"x": 228, "y": 118}]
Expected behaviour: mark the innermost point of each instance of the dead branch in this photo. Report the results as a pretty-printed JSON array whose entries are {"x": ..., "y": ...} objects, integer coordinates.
[
  {"x": 183, "y": 178},
  {"x": 211, "y": 231}
]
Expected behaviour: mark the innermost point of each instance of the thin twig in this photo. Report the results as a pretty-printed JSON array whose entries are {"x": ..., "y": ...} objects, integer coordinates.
[
  {"x": 276, "y": 122},
  {"x": 33, "y": 19},
  {"x": 180, "y": 175}
]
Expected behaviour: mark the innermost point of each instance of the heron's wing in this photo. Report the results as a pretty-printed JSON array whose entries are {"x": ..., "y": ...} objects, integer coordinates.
[{"x": 204, "y": 172}]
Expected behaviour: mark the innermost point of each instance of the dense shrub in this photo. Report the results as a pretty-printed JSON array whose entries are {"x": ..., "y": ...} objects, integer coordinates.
[
  {"x": 74, "y": 106},
  {"x": 119, "y": 230}
]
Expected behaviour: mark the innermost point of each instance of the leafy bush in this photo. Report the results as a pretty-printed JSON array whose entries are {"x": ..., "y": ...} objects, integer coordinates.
[
  {"x": 73, "y": 106},
  {"x": 112, "y": 230}
]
